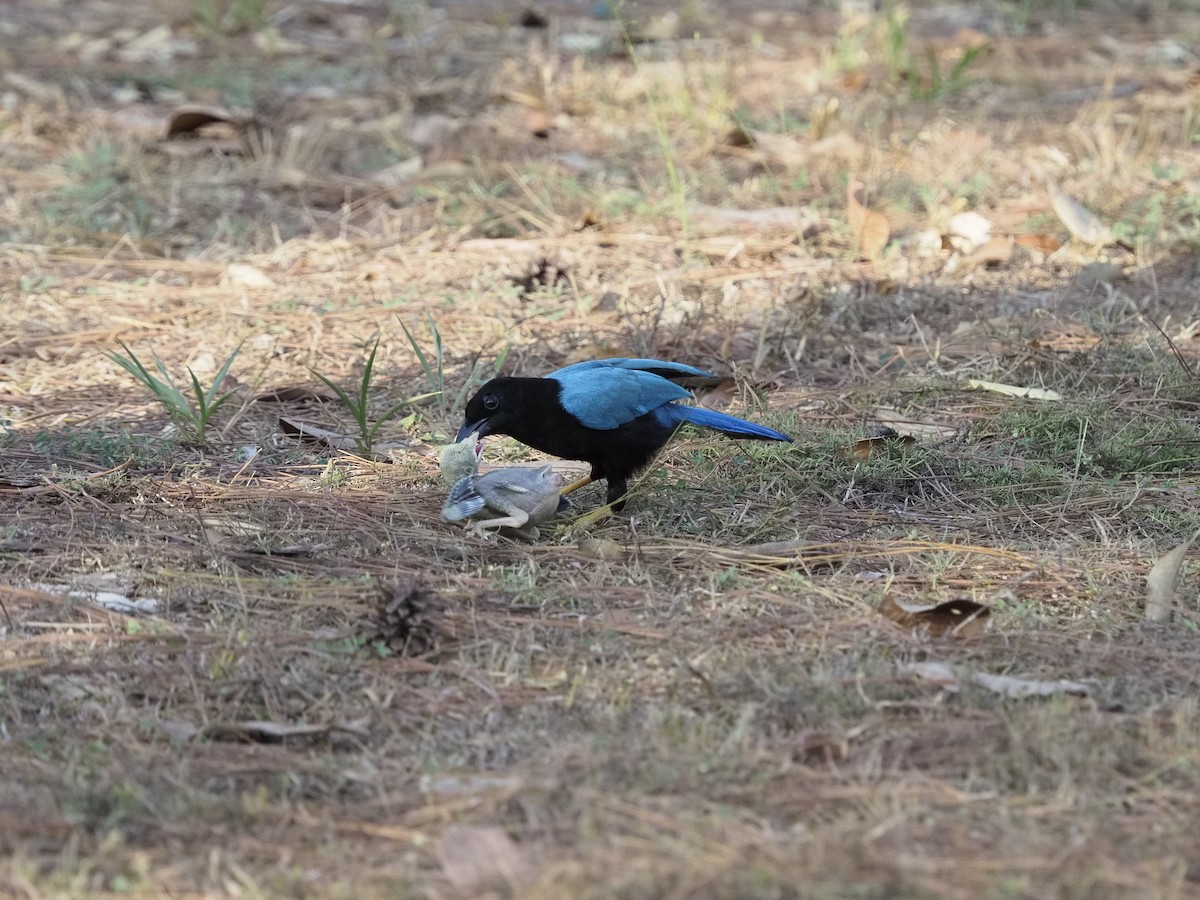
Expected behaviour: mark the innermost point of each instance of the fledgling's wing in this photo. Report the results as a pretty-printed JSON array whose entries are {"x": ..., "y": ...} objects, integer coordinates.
[
  {"x": 604, "y": 395},
  {"x": 464, "y": 500},
  {"x": 534, "y": 491}
]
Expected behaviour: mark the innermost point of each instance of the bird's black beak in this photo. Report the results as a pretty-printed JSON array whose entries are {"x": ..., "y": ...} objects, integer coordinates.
[{"x": 469, "y": 428}]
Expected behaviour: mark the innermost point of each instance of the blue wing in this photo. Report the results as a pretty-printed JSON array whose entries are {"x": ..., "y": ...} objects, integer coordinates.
[
  {"x": 672, "y": 414},
  {"x": 653, "y": 366},
  {"x": 605, "y": 394}
]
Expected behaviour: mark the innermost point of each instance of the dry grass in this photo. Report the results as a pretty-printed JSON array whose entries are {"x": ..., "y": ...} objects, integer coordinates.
[{"x": 326, "y": 683}]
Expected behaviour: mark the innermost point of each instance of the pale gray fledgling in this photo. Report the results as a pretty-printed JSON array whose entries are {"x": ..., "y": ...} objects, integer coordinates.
[{"x": 515, "y": 497}]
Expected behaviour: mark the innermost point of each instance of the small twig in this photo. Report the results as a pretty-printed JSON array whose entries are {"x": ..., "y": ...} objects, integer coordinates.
[{"x": 1183, "y": 363}]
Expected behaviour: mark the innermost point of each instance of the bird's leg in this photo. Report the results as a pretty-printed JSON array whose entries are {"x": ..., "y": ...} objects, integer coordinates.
[
  {"x": 476, "y": 529},
  {"x": 617, "y": 491},
  {"x": 577, "y": 484},
  {"x": 520, "y": 526},
  {"x": 517, "y": 519}
]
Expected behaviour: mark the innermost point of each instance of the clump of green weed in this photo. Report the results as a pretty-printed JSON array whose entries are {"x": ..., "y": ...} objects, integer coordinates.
[
  {"x": 358, "y": 404},
  {"x": 192, "y": 421},
  {"x": 221, "y": 18},
  {"x": 922, "y": 72},
  {"x": 1097, "y": 441},
  {"x": 100, "y": 196},
  {"x": 88, "y": 445},
  {"x": 435, "y": 373}
]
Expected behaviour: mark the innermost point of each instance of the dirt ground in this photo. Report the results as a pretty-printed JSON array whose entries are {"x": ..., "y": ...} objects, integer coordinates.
[{"x": 943, "y": 645}]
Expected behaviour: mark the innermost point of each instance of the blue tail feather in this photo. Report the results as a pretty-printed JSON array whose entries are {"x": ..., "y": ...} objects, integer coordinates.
[{"x": 673, "y": 414}]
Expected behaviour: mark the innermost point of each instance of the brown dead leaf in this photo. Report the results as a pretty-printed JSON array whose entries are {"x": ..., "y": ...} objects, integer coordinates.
[
  {"x": 336, "y": 440},
  {"x": 1080, "y": 221},
  {"x": 1162, "y": 581},
  {"x": 480, "y": 858},
  {"x": 882, "y": 441},
  {"x": 778, "y": 150},
  {"x": 856, "y": 81},
  {"x": 1043, "y": 243},
  {"x": 994, "y": 252},
  {"x": 775, "y": 148},
  {"x": 869, "y": 227},
  {"x": 191, "y": 118},
  {"x": 1013, "y": 390},
  {"x": 602, "y": 548},
  {"x": 960, "y": 618},
  {"x": 308, "y": 432},
  {"x": 719, "y": 397}
]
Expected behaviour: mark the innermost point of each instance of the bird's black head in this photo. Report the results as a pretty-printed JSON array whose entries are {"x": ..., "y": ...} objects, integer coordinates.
[{"x": 492, "y": 408}]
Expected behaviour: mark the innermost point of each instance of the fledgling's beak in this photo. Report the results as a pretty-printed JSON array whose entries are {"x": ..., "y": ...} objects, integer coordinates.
[
  {"x": 476, "y": 443},
  {"x": 478, "y": 429}
]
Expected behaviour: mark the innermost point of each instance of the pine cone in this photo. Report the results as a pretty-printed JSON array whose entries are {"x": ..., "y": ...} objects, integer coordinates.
[{"x": 407, "y": 618}]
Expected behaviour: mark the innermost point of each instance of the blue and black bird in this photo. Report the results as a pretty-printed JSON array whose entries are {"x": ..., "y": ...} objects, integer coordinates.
[{"x": 615, "y": 414}]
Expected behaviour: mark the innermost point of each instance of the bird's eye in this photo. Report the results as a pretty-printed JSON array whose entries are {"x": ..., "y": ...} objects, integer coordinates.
[{"x": 491, "y": 402}]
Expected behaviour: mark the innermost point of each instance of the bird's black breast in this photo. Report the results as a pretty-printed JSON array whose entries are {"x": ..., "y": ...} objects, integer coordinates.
[{"x": 531, "y": 411}]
